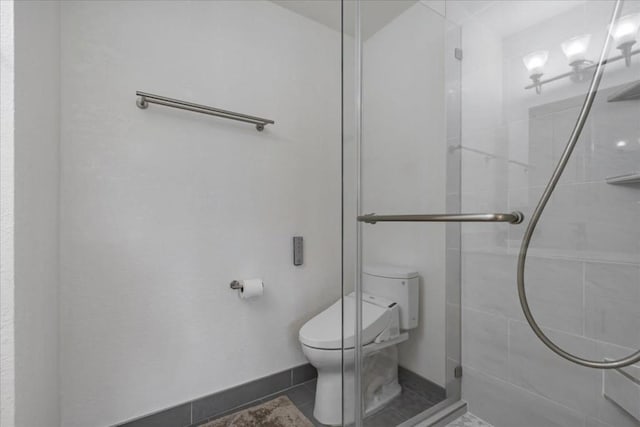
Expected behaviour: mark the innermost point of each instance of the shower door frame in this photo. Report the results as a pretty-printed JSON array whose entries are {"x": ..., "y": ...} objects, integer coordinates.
[{"x": 452, "y": 406}]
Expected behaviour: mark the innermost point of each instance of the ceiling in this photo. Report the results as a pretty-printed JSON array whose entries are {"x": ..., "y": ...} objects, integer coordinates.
[
  {"x": 506, "y": 17},
  {"x": 375, "y": 14}
]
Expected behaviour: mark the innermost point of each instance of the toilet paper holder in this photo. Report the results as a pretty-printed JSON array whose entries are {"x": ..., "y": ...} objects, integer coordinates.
[{"x": 248, "y": 288}]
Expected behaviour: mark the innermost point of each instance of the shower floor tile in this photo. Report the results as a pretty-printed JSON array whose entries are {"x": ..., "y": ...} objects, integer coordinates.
[
  {"x": 402, "y": 408},
  {"x": 469, "y": 420}
]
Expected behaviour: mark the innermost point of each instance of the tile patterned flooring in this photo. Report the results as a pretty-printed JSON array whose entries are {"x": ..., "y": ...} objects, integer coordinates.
[
  {"x": 469, "y": 420},
  {"x": 411, "y": 402}
]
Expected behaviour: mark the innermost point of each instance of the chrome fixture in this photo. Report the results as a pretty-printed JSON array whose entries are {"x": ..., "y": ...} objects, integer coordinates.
[
  {"x": 535, "y": 63},
  {"x": 512, "y": 218},
  {"x": 236, "y": 285},
  {"x": 623, "y": 31},
  {"x": 571, "y": 73},
  {"x": 148, "y": 98},
  {"x": 625, "y": 34},
  {"x": 537, "y": 213}
]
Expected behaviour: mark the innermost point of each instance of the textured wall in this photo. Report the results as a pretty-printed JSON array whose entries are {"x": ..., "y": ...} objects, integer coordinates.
[
  {"x": 7, "y": 179},
  {"x": 37, "y": 136},
  {"x": 162, "y": 208}
]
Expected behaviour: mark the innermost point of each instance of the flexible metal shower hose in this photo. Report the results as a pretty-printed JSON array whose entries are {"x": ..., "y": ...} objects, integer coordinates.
[{"x": 537, "y": 213}]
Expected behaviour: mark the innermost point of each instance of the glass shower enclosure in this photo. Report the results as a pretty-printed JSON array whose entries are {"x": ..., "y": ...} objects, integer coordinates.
[
  {"x": 401, "y": 137},
  {"x": 527, "y": 69}
]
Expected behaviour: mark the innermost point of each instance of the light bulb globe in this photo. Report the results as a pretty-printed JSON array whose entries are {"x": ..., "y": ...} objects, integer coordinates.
[
  {"x": 625, "y": 30},
  {"x": 535, "y": 62},
  {"x": 575, "y": 48}
]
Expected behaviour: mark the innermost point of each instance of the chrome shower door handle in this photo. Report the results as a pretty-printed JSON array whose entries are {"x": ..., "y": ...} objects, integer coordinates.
[{"x": 515, "y": 217}]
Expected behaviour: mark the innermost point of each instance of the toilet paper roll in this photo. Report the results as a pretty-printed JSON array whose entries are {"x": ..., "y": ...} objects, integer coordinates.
[{"x": 251, "y": 288}]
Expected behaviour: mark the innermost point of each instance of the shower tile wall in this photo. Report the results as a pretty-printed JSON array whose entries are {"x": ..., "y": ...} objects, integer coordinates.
[{"x": 584, "y": 270}]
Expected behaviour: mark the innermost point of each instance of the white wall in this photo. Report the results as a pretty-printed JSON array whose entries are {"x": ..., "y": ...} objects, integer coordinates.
[
  {"x": 162, "y": 208},
  {"x": 583, "y": 267},
  {"x": 7, "y": 247},
  {"x": 37, "y": 131},
  {"x": 404, "y": 167}
]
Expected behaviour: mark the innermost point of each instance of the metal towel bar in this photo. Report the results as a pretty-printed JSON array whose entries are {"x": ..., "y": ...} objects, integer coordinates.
[
  {"x": 512, "y": 218},
  {"x": 149, "y": 98}
]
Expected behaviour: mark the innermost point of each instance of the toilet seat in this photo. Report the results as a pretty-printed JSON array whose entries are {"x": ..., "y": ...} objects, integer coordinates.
[{"x": 324, "y": 331}]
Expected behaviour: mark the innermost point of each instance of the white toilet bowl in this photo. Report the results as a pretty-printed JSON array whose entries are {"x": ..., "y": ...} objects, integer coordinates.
[
  {"x": 321, "y": 340},
  {"x": 328, "y": 404},
  {"x": 389, "y": 305}
]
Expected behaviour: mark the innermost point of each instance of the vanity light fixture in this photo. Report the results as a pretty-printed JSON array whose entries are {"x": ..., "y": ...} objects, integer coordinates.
[
  {"x": 625, "y": 34},
  {"x": 535, "y": 63},
  {"x": 575, "y": 50}
]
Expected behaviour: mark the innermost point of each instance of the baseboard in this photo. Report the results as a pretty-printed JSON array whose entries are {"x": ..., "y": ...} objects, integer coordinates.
[{"x": 202, "y": 409}]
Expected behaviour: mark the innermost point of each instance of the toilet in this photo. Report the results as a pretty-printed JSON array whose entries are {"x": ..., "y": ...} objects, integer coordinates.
[{"x": 389, "y": 310}]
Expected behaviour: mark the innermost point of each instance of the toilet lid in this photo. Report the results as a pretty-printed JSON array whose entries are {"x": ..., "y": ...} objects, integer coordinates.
[{"x": 324, "y": 331}]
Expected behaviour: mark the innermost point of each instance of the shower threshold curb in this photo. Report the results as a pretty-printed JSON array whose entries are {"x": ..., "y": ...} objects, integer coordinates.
[{"x": 443, "y": 417}]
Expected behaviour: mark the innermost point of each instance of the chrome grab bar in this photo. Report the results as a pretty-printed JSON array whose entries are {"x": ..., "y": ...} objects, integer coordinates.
[
  {"x": 514, "y": 217},
  {"x": 148, "y": 98}
]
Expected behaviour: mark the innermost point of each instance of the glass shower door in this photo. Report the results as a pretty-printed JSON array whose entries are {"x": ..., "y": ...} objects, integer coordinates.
[
  {"x": 403, "y": 149},
  {"x": 527, "y": 69},
  {"x": 401, "y": 137}
]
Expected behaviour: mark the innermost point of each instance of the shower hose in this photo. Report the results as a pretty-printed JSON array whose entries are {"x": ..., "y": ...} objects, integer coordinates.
[{"x": 537, "y": 213}]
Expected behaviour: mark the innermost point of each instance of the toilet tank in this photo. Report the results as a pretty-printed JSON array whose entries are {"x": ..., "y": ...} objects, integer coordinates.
[{"x": 399, "y": 284}]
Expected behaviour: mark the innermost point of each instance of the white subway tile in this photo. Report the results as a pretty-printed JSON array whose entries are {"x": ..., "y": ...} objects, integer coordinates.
[
  {"x": 505, "y": 405},
  {"x": 485, "y": 338}
]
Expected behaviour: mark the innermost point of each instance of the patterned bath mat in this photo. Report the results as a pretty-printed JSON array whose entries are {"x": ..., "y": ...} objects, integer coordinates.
[{"x": 279, "y": 412}]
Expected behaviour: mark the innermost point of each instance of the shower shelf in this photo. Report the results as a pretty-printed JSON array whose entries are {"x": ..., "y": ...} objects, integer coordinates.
[
  {"x": 628, "y": 93},
  {"x": 629, "y": 178},
  {"x": 622, "y": 386}
]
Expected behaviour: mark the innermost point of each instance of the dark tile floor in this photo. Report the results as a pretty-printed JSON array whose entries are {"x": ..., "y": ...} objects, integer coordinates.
[
  {"x": 406, "y": 406},
  {"x": 413, "y": 400}
]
